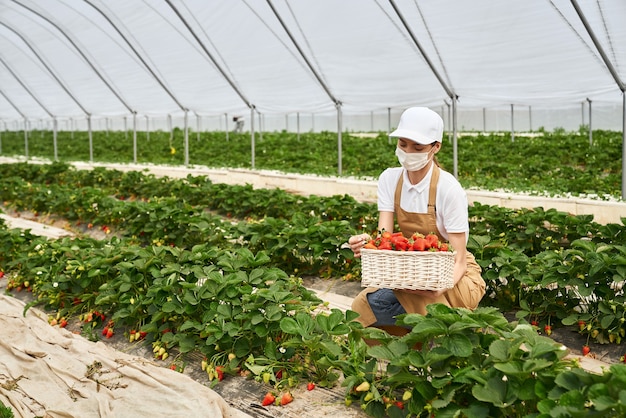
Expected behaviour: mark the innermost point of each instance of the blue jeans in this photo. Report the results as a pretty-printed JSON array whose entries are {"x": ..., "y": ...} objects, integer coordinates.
[{"x": 385, "y": 306}]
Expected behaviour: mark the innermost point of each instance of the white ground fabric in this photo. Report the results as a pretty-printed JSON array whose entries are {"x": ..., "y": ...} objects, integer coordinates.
[{"x": 50, "y": 372}]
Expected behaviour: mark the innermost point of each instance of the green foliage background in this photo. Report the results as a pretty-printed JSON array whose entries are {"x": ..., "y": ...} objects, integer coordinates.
[{"x": 552, "y": 163}]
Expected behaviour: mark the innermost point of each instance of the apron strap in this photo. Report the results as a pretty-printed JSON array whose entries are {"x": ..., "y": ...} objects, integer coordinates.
[{"x": 432, "y": 192}]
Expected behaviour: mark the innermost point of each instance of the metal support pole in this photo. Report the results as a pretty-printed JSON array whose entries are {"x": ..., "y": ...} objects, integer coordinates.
[
  {"x": 90, "y": 138},
  {"x": 26, "y": 138},
  {"x": 339, "y": 139},
  {"x": 590, "y": 126},
  {"x": 449, "y": 119},
  {"x": 186, "y": 137},
  {"x": 484, "y": 120},
  {"x": 198, "y": 127},
  {"x": 252, "y": 138},
  {"x": 226, "y": 117},
  {"x": 55, "y": 125},
  {"x": 512, "y": 124},
  {"x": 135, "y": 136},
  {"x": 455, "y": 147},
  {"x": 388, "y": 125},
  {"x": 623, "y": 145},
  {"x": 170, "y": 127}
]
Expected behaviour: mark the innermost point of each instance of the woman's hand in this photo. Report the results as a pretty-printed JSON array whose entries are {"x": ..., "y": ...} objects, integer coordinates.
[{"x": 356, "y": 242}]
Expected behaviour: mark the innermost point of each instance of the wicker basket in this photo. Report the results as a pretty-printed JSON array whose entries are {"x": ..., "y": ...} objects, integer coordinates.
[{"x": 415, "y": 270}]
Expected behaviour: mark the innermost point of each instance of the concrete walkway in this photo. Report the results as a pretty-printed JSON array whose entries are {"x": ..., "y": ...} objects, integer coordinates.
[{"x": 36, "y": 228}]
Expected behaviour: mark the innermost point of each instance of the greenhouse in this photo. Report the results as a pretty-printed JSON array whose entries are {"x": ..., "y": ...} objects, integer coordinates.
[{"x": 180, "y": 182}]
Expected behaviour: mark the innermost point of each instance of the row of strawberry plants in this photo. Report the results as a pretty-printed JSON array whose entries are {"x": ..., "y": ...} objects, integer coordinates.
[
  {"x": 555, "y": 163},
  {"x": 511, "y": 246},
  {"x": 250, "y": 318},
  {"x": 303, "y": 243}
]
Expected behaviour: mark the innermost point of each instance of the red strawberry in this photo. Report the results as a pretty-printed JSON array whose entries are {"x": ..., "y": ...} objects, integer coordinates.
[
  {"x": 220, "y": 373},
  {"x": 548, "y": 329},
  {"x": 385, "y": 245},
  {"x": 586, "y": 350},
  {"x": 419, "y": 244},
  {"x": 109, "y": 332},
  {"x": 400, "y": 243},
  {"x": 1, "y": 274},
  {"x": 310, "y": 386},
  {"x": 287, "y": 398},
  {"x": 63, "y": 323},
  {"x": 432, "y": 241},
  {"x": 399, "y": 404},
  {"x": 444, "y": 247},
  {"x": 105, "y": 331},
  {"x": 268, "y": 399}
]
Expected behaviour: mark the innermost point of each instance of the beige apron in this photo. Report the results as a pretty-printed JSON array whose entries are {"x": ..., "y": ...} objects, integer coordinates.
[{"x": 466, "y": 293}]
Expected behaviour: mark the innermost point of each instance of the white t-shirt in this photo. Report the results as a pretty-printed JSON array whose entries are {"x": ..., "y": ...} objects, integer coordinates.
[{"x": 451, "y": 202}]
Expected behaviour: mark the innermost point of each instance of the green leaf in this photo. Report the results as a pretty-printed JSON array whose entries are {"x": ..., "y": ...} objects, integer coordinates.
[
  {"x": 429, "y": 327},
  {"x": 241, "y": 347},
  {"x": 380, "y": 352},
  {"x": 502, "y": 350},
  {"x": 458, "y": 344},
  {"x": 186, "y": 342},
  {"x": 569, "y": 380},
  {"x": 191, "y": 298},
  {"x": 332, "y": 348},
  {"x": 604, "y": 403},
  {"x": 289, "y": 326},
  {"x": 607, "y": 320},
  {"x": 496, "y": 392}
]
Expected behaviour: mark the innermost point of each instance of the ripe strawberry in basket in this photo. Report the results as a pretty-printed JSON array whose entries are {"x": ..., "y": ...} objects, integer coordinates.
[
  {"x": 399, "y": 242},
  {"x": 432, "y": 241},
  {"x": 419, "y": 244},
  {"x": 385, "y": 244}
]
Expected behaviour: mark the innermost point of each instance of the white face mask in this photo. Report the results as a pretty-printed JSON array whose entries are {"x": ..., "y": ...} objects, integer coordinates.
[{"x": 412, "y": 161}]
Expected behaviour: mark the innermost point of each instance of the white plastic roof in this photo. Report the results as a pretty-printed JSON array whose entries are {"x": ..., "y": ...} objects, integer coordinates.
[{"x": 69, "y": 58}]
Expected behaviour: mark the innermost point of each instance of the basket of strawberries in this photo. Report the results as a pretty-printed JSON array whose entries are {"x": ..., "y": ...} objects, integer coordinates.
[{"x": 421, "y": 262}]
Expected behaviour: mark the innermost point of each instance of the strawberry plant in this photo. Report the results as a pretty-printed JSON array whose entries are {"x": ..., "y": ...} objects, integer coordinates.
[{"x": 5, "y": 411}]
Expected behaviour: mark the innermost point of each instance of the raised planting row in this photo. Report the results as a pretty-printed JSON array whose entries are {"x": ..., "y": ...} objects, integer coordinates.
[{"x": 556, "y": 163}]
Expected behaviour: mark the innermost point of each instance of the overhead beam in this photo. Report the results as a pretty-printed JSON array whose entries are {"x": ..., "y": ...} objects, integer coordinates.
[{"x": 82, "y": 54}]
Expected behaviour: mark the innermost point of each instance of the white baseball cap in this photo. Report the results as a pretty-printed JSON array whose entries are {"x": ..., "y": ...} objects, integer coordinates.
[{"x": 419, "y": 124}]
